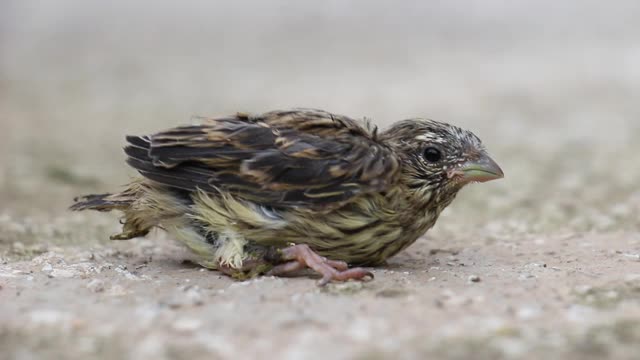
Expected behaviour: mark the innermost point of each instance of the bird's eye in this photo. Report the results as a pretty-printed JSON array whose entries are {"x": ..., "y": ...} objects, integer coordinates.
[{"x": 432, "y": 154}]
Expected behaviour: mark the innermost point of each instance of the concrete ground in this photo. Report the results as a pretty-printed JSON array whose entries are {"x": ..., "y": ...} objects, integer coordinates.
[{"x": 544, "y": 263}]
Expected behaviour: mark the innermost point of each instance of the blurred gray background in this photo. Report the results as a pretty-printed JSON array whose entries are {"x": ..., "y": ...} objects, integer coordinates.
[{"x": 551, "y": 87}]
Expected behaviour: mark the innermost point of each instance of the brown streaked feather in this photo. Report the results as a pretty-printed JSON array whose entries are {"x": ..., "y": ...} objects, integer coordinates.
[{"x": 280, "y": 158}]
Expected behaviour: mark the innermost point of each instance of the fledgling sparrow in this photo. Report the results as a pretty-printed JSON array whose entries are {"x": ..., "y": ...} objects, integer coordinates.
[{"x": 285, "y": 190}]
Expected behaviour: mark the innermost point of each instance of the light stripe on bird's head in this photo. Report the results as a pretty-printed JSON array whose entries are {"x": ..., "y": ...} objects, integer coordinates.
[{"x": 438, "y": 158}]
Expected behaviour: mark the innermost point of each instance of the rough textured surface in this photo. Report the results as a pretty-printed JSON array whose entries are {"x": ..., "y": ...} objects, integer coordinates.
[{"x": 545, "y": 263}]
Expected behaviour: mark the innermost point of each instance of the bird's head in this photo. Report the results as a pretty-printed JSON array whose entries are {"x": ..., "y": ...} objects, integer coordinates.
[{"x": 438, "y": 159}]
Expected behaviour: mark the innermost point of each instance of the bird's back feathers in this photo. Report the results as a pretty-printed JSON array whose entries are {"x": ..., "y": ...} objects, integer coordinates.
[{"x": 281, "y": 158}]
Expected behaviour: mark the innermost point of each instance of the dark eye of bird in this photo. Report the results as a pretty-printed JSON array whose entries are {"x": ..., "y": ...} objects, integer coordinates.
[{"x": 432, "y": 154}]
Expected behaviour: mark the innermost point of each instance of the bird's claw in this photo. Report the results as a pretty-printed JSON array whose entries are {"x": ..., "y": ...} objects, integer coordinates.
[
  {"x": 355, "y": 274},
  {"x": 301, "y": 256}
]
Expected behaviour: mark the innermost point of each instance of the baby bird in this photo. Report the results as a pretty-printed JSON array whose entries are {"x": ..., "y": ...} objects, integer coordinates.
[{"x": 287, "y": 190}]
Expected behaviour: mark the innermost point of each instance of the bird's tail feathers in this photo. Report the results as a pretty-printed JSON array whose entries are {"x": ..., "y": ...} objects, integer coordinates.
[{"x": 102, "y": 202}]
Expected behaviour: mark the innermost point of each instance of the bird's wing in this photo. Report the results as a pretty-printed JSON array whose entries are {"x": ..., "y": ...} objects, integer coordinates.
[{"x": 299, "y": 157}]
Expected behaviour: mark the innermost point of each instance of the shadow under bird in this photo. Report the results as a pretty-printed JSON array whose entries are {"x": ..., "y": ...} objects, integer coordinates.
[{"x": 278, "y": 192}]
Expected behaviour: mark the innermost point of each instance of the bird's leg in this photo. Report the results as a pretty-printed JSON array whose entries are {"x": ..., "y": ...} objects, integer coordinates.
[{"x": 298, "y": 257}]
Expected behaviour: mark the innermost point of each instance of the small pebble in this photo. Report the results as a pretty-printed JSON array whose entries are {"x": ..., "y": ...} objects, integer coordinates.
[
  {"x": 474, "y": 278},
  {"x": 122, "y": 270},
  {"x": 96, "y": 285},
  {"x": 525, "y": 276}
]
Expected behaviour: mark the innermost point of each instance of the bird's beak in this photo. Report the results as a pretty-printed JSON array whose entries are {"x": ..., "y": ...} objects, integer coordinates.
[{"x": 481, "y": 170}]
